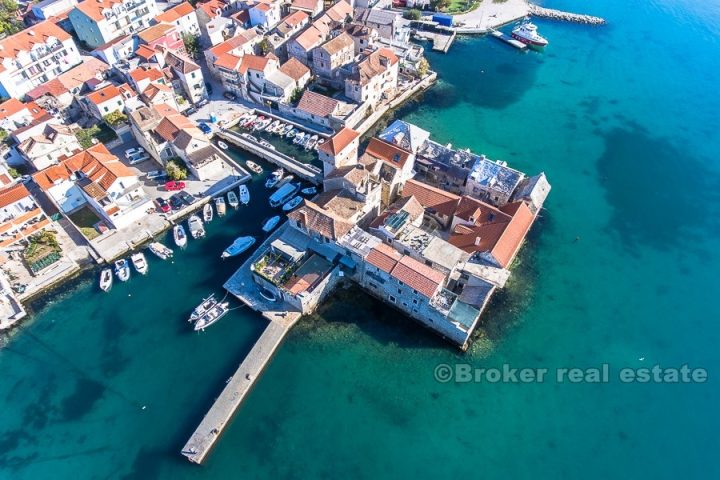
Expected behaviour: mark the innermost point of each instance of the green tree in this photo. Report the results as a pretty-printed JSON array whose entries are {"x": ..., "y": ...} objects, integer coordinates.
[
  {"x": 13, "y": 172},
  {"x": 86, "y": 136},
  {"x": 423, "y": 67},
  {"x": 9, "y": 22},
  {"x": 265, "y": 46},
  {"x": 115, "y": 118},
  {"x": 297, "y": 93},
  {"x": 412, "y": 14},
  {"x": 192, "y": 44},
  {"x": 176, "y": 169}
]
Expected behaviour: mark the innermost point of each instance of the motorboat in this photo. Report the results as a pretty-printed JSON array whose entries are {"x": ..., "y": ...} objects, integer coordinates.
[
  {"x": 254, "y": 166},
  {"x": 207, "y": 213},
  {"x": 106, "y": 280},
  {"x": 238, "y": 246},
  {"x": 283, "y": 194},
  {"x": 309, "y": 191},
  {"x": 160, "y": 250},
  {"x": 292, "y": 203},
  {"x": 270, "y": 128},
  {"x": 122, "y": 270},
  {"x": 288, "y": 128},
  {"x": 527, "y": 33},
  {"x": 196, "y": 227},
  {"x": 205, "y": 305},
  {"x": 179, "y": 236},
  {"x": 261, "y": 123},
  {"x": 287, "y": 179},
  {"x": 292, "y": 132},
  {"x": 244, "y": 194},
  {"x": 299, "y": 138},
  {"x": 310, "y": 144},
  {"x": 220, "y": 206},
  {"x": 211, "y": 316},
  {"x": 249, "y": 122},
  {"x": 274, "y": 178},
  {"x": 267, "y": 144},
  {"x": 233, "y": 199},
  {"x": 222, "y": 145},
  {"x": 280, "y": 128},
  {"x": 139, "y": 262},
  {"x": 271, "y": 223}
]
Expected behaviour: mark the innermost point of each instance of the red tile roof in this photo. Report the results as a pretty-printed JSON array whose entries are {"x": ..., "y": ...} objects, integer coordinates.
[
  {"x": 294, "y": 69},
  {"x": 395, "y": 156},
  {"x": 338, "y": 142},
  {"x": 306, "y": 4},
  {"x": 383, "y": 257},
  {"x": 10, "y": 195},
  {"x": 172, "y": 14},
  {"x": 317, "y": 104},
  {"x": 314, "y": 218},
  {"x": 418, "y": 276},
  {"x": 310, "y": 38},
  {"x": 25, "y": 40},
  {"x": 442, "y": 202},
  {"x": 11, "y": 107}
]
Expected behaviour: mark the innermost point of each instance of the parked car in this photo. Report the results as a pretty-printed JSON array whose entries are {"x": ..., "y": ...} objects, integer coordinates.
[
  {"x": 175, "y": 202},
  {"x": 132, "y": 152},
  {"x": 162, "y": 205},
  {"x": 205, "y": 128},
  {"x": 186, "y": 197},
  {"x": 190, "y": 111},
  {"x": 230, "y": 95},
  {"x": 25, "y": 178},
  {"x": 156, "y": 174},
  {"x": 134, "y": 160},
  {"x": 172, "y": 186},
  {"x": 202, "y": 102}
]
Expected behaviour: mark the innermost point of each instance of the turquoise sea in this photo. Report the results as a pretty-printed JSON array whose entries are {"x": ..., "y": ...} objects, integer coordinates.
[{"x": 621, "y": 269}]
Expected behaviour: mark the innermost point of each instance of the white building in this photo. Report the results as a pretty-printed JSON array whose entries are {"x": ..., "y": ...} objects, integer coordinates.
[
  {"x": 35, "y": 56},
  {"x": 54, "y": 143},
  {"x": 99, "y": 21},
  {"x": 47, "y": 9},
  {"x": 265, "y": 13},
  {"x": 183, "y": 16}
]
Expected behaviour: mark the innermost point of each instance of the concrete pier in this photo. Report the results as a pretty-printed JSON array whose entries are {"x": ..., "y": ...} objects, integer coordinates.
[
  {"x": 508, "y": 39},
  {"x": 441, "y": 41},
  {"x": 306, "y": 171},
  {"x": 218, "y": 417}
]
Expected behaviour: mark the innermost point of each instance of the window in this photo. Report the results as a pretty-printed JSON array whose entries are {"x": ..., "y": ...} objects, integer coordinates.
[
  {"x": 106, "y": 109},
  {"x": 415, "y": 301},
  {"x": 392, "y": 299},
  {"x": 399, "y": 291}
]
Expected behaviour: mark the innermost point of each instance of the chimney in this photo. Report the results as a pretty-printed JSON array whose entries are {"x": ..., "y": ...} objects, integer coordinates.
[
  {"x": 303, "y": 218},
  {"x": 477, "y": 241}
]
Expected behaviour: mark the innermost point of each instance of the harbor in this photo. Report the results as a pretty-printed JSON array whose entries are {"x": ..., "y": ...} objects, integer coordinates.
[{"x": 504, "y": 37}]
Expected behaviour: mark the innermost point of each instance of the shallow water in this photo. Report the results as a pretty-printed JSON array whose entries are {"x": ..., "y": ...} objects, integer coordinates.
[{"x": 621, "y": 267}]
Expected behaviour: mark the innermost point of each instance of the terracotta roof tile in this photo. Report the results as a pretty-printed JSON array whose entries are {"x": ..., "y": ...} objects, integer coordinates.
[
  {"x": 418, "y": 276},
  {"x": 12, "y": 194},
  {"x": 338, "y": 142},
  {"x": 294, "y": 69},
  {"x": 442, "y": 202},
  {"x": 338, "y": 44},
  {"x": 25, "y": 40},
  {"x": 395, "y": 156},
  {"x": 383, "y": 257},
  {"x": 175, "y": 13},
  {"x": 317, "y": 104}
]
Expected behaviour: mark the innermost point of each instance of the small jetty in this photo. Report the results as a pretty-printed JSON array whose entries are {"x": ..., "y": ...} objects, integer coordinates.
[
  {"x": 508, "y": 39},
  {"x": 441, "y": 41},
  {"x": 552, "y": 14}
]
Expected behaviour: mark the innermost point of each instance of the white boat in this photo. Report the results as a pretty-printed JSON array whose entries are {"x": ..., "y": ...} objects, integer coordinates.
[
  {"x": 267, "y": 144},
  {"x": 299, "y": 138},
  {"x": 309, "y": 191},
  {"x": 292, "y": 203},
  {"x": 272, "y": 126},
  {"x": 220, "y": 206},
  {"x": 196, "y": 226},
  {"x": 271, "y": 223},
  {"x": 207, "y": 213},
  {"x": 285, "y": 180},
  {"x": 106, "y": 279},
  {"x": 286, "y": 130},
  {"x": 249, "y": 121},
  {"x": 223, "y": 145},
  {"x": 204, "y": 306},
  {"x": 232, "y": 199},
  {"x": 292, "y": 133},
  {"x": 238, "y": 246},
  {"x": 244, "y": 194},
  {"x": 261, "y": 124},
  {"x": 160, "y": 250},
  {"x": 310, "y": 144},
  {"x": 214, "y": 314},
  {"x": 139, "y": 262},
  {"x": 122, "y": 270},
  {"x": 254, "y": 166},
  {"x": 179, "y": 236},
  {"x": 527, "y": 33},
  {"x": 274, "y": 178}
]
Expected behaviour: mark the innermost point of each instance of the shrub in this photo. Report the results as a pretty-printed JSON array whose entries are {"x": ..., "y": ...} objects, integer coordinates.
[
  {"x": 176, "y": 169},
  {"x": 413, "y": 14},
  {"x": 115, "y": 119}
]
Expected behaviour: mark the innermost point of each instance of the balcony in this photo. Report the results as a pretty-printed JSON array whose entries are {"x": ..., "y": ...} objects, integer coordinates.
[{"x": 274, "y": 268}]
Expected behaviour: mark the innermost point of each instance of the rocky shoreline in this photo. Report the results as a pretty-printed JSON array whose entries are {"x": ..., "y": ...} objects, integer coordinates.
[{"x": 552, "y": 14}]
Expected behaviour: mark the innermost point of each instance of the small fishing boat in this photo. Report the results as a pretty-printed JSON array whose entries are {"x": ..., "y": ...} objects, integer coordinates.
[
  {"x": 261, "y": 123},
  {"x": 160, "y": 250},
  {"x": 244, "y": 194},
  {"x": 238, "y": 246},
  {"x": 280, "y": 128},
  {"x": 299, "y": 138},
  {"x": 309, "y": 191},
  {"x": 205, "y": 305},
  {"x": 249, "y": 122},
  {"x": 271, "y": 223},
  {"x": 179, "y": 236},
  {"x": 233, "y": 199},
  {"x": 122, "y": 270},
  {"x": 196, "y": 226},
  {"x": 292, "y": 203},
  {"x": 310, "y": 144},
  {"x": 254, "y": 166},
  {"x": 267, "y": 144},
  {"x": 220, "y": 206},
  {"x": 285, "y": 180},
  {"x": 272, "y": 126},
  {"x": 286, "y": 130},
  {"x": 139, "y": 262},
  {"x": 222, "y": 145},
  {"x": 292, "y": 133},
  {"x": 106, "y": 279},
  {"x": 207, "y": 213},
  {"x": 214, "y": 314},
  {"x": 274, "y": 178}
]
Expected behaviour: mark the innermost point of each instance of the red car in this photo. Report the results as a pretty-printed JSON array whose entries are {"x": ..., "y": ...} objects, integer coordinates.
[
  {"x": 162, "y": 205},
  {"x": 172, "y": 186}
]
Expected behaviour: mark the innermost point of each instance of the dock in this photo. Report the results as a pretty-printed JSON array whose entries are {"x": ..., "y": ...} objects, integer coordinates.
[
  {"x": 218, "y": 417},
  {"x": 441, "y": 41},
  {"x": 306, "y": 171},
  {"x": 508, "y": 39},
  {"x": 552, "y": 14}
]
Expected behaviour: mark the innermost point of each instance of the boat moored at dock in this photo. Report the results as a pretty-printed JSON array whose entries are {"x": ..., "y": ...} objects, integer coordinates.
[
  {"x": 244, "y": 194},
  {"x": 274, "y": 178},
  {"x": 294, "y": 202},
  {"x": 139, "y": 262},
  {"x": 271, "y": 223},
  {"x": 122, "y": 270},
  {"x": 207, "y": 213},
  {"x": 215, "y": 313},
  {"x": 196, "y": 227},
  {"x": 527, "y": 33},
  {"x": 254, "y": 167},
  {"x": 160, "y": 250},
  {"x": 220, "y": 206},
  {"x": 179, "y": 236},
  {"x": 205, "y": 305},
  {"x": 106, "y": 280},
  {"x": 283, "y": 194},
  {"x": 238, "y": 246},
  {"x": 233, "y": 199}
]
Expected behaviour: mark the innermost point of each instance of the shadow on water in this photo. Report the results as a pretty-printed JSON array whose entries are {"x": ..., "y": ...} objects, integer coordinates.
[{"x": 660, "y": 194}]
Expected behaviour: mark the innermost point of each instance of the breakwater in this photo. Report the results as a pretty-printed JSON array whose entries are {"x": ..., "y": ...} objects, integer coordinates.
[{"x": 553, "y": 14}]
